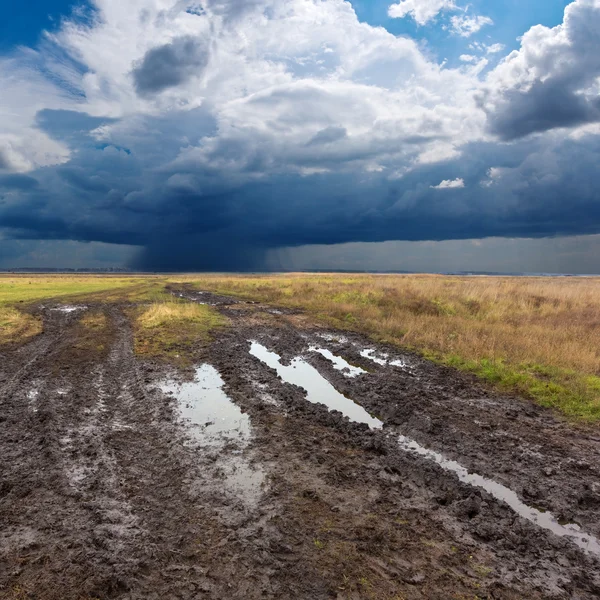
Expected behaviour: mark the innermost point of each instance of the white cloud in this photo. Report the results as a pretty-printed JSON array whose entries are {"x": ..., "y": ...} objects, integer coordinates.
[
  {"x": 274, "y": 75},
  {"x": 466, "y": 26},
  {"x": 552, "y": 80},
  {"x": 494, "y": 48},
  {"x": 422, "y": 11},
  {"x": 273, "y": 80},
  {"x": 448, "y": 184},
  {"x": 25, "y": 91}
]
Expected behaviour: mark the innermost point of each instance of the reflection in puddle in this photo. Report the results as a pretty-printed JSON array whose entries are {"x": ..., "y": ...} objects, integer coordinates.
[
  {"x": 382, "y": 359},
  {"x": 338, "y": 362},
  {"x": 318, "y": 389},
  {"x": 211, "y": 413},
  {"x": 32, "y": 396},
  {"x": 215, "y": 421},
  {"x": 242, "y": 479},
  {"x": 330, "y": 337},
  {"x": 500, "y": 492},
  {"x": 66, "y": 308}
]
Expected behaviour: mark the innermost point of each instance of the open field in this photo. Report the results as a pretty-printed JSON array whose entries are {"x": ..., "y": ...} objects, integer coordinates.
[
  {"x": 214, "y": 437},
  {"x": 535, "y": 336},
  {"x": 17, "y": 290}
]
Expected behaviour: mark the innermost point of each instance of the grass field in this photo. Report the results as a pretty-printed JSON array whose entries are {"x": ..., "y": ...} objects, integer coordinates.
[
  {"x": 16, "y": 291},
  {"x": 534, "y": 336}
]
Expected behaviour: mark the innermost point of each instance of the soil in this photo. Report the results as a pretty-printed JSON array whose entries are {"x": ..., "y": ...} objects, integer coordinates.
[{"x": 105, "y": 493}]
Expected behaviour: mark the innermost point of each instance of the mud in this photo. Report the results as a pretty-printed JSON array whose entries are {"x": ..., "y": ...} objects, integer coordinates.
[{"x": 129, "y": 479}]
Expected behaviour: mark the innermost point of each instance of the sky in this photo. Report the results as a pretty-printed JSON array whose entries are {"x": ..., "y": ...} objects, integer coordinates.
[{"x": 427, "y": 135}]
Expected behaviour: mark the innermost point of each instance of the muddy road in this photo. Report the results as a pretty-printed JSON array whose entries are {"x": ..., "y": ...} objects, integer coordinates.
[{"x": 291, "y": 461}]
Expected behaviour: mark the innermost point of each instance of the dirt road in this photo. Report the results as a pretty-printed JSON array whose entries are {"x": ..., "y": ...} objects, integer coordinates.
[{"x": 122, "y": 478}]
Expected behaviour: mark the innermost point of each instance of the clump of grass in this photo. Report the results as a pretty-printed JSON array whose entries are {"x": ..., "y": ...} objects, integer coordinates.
[
  {"x": 16, "y": 325},
  {"x": 171, "y": 328},
  {"x": 535, "y": 336}
]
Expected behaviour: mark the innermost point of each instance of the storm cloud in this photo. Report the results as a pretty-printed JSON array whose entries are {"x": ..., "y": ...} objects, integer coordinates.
[
  {"x": 170, "y": 65},
  {"x": 552, "y": 81},
  {"x": 220, "y": 134}
]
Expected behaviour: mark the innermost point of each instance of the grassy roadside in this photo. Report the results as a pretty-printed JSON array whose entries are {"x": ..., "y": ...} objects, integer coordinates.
[{"x": 534, "y": 336}]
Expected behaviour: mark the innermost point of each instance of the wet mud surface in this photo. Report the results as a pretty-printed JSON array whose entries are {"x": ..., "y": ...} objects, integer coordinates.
[{"x": 290, "y": 462}]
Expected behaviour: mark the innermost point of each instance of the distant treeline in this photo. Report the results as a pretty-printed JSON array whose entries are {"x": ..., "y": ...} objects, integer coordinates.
[{"x": 62, "y": 270}]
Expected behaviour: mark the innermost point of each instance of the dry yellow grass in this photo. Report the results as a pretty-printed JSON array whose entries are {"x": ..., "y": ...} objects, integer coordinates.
[
  {"x": 163, "y": 313},
  {"x": 540, "y": 336},
  {"x": 170, "y": 328},
  {"x": 17, "y": 325}
]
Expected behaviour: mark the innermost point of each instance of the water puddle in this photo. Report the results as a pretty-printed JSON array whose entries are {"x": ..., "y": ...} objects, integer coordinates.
[
  {"x": 318, "y": 389},
  {"x": 32, "y": 396},
  {"x": 212, "y": 416},
  {"x": 330, "y": 337},
  {"x": 66, "y": 308},
  {"x": 544, "y": 520},
  {"x": 242, "y": 479},
  {"x": 382, "y": 358},
  {"x": 215, "y": 421},
  {"x": 339, "y": 363}
]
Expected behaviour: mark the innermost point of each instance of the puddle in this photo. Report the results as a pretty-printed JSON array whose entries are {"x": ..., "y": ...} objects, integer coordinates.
[
  {"x": 382, "y": 359},
  {"x": 32, "y": 396},
  {"x": 68, "y": 308},
  {"x": 263, "y": 394},
  {"x": 330, "y": 337},
  {"x": 214, "y": 421},
  {"x": 318, "y": 389},
  {"x": 339, "y": 363},
  {"x": 242, "y": 479},
  {"x": 543, "y": 519},
  {"x": 212, "y": 416}
]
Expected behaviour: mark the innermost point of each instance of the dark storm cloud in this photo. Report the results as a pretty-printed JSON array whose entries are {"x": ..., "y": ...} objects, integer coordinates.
[
  {"x": 68, "y": 125},
  {"x": 198, "y": 200},
  {"x": 548, "y": 105},
  {"x": 17, "y": 182},
  {"x": 170, "y": 65},
  {"x": 190, "y": 213}
]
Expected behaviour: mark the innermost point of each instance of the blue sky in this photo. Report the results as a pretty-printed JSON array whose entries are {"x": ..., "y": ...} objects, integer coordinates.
[
  {"x": 246, "y": 134},
  {"x": 22, "y": 22},
  {"x": 511, "y": 19}
]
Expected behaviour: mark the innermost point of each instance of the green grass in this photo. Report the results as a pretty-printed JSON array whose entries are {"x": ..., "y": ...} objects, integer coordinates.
[
  {"x": 29, "y": 289},
  {"x": 573, "y": 394}
]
